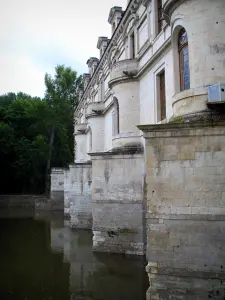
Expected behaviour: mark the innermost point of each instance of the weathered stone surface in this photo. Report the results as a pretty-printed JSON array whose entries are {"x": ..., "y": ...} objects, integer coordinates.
[
  {"x": 78, "y": 205},
  {"x": 185, "y": 202},
  {"x": 19, "y": 201},
  {"x": 166, "y": 287},
  {"x": 118, "y": 203},
  {"x": 57, "y": 188}
]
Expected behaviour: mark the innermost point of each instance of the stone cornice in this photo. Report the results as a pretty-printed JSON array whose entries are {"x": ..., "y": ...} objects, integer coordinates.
[
  {"x": 102, "y": 39},
  {"x": 129, "y": 149},
  {"x": 169, "y": 7},
  {"x": 112, "y": 12},
  {"x": 185, "y": 129},
  {"x": 132, "y": 7}
]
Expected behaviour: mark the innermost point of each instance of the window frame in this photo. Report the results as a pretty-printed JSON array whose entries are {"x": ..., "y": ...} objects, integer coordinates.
[
  {"x": 181, "y": 55},
  {"x": 132, "y": 45},
  {"x": 162, "y": 94},
  {"x": 157, "y": 101},
  {"x": 159, "y": 16}
]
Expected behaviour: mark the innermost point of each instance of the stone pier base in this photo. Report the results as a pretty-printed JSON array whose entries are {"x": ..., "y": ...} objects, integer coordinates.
[
  {"x": 57, "y": 186},
  {"x": 117, "y": 203},
  {"x": 185, "y": 179},
  {"x": 78, "y": 182}
]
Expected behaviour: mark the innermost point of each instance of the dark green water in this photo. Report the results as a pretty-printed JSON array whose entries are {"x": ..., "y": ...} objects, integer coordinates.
[{"x": 41, "y": 258}]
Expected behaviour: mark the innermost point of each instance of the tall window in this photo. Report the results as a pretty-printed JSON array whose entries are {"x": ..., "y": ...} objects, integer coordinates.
[
  {"x": 115, "y": 117},
  {"x": 160, "y": 15},
  {"x": 113, "y": 27},
  {"x": 132, "y": 46},
  {"x": 162, "y": 96},
  {"x": 184, "y": 60}
]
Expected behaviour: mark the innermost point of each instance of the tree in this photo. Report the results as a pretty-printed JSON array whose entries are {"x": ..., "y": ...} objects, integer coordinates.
[
  {"x": 21, "y": 144},
  {"x": 37, "y": 134},
  {"x": 62, "y": 97}
]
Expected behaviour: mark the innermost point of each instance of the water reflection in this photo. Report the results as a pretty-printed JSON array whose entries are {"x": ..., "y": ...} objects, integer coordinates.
[
  {"x": 41, "y": 258},
  {"x": 167, "y": 287}
]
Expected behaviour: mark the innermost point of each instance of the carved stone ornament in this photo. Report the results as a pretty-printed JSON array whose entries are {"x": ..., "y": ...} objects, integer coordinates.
[
  {"x": 145, "y": 2},
  {"x": 135, "y": 5}
]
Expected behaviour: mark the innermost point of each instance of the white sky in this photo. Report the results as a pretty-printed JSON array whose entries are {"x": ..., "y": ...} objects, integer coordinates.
[{"x": 36, "y": 35}]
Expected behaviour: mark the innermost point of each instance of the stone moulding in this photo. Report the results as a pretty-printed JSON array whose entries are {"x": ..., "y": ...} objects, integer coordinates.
[
  {"x": 185, "y": 129},
  {"x": 169, "y": 7},
  {"x": 95, "y": 109},
  {"x": 126, "y": 149},
  {"x": 80, "y": 128},
  {"x": 83, "y": 163},
  {"x": 124, "y": 70},
  {"x": 131, "y": 8}
]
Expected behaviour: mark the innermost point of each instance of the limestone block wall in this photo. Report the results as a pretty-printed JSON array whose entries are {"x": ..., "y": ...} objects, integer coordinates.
[
  {"x": 108, "y": 129},
  {"x": 67, "y": 188},
  {"x": 57, "y": 184},
  {"x": 96, "y": 124},
  {"x": 81, "y": 147},
  {"x": 185, "y": 177},
  {"x": 117, "y": 203},
  {"x": 129, "y": 106},
  {"x": 127, "y": 94},
  {"x": 78, "y": 199}
]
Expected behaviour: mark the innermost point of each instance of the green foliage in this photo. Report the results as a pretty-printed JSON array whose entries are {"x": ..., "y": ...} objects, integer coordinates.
[{"x": 37, "y": 134}]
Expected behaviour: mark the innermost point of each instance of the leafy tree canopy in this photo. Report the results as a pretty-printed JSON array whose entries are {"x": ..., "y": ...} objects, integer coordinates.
[{"x": 37, "y": 134}]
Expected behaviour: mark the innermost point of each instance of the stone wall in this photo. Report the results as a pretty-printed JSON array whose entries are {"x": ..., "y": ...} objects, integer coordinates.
[
  {"x": 33, "y": 203},
  {"x": 67, "y": 193},
  {"x": 185, "y": 176},
  {"x": 20, "y": 201},
  {"x": 117, "y": 203},
  {"x": 57, "y": 184},
  {"x": 78, "y": 195}
]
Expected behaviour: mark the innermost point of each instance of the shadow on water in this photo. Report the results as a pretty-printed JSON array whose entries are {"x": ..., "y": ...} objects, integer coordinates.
[{"x": 42, "y": 258}]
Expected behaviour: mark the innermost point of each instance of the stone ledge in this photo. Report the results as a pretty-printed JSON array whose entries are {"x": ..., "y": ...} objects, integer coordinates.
[
  {"x": 57, "y": 171},
  {"x": 189, "y": 273},
  {"x": 169, "y": 7},
  {"x": 81, "y": 164},
  {"x": 204, "y": 128},
  {"x": 199, "y": 217},
  {"x": 117, "y": 202},
  {"x": 121, "y": 229},
  {"x": 129, "y": 149}
]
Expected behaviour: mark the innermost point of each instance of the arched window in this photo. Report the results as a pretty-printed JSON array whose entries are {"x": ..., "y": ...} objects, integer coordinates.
[
  {"x": 184, "y": 60},
  {"x": 89, "y": 139}
]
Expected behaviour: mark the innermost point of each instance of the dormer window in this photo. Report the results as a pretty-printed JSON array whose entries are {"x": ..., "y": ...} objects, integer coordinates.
[
  {"x": 102, "y": 44},
  {"x": 115, "y": 16},
  {"x": 113, "y": 27},
  {"x": 92, "y": 64}
]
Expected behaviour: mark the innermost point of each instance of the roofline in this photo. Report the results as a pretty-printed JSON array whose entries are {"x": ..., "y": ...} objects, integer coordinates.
[{"x": 108, "y": 46}]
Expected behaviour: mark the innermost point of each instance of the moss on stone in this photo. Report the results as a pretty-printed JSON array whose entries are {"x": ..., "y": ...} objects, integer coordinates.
[
  {"x": 126, "y": 230},
  {"x": 177, "y": 120}
]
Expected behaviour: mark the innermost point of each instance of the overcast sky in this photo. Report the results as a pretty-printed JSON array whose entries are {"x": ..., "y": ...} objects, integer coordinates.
[{"x": 36, "y": 35}]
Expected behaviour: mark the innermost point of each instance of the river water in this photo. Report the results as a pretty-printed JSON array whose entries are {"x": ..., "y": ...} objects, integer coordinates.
[{"x": 41, "y": 258}]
